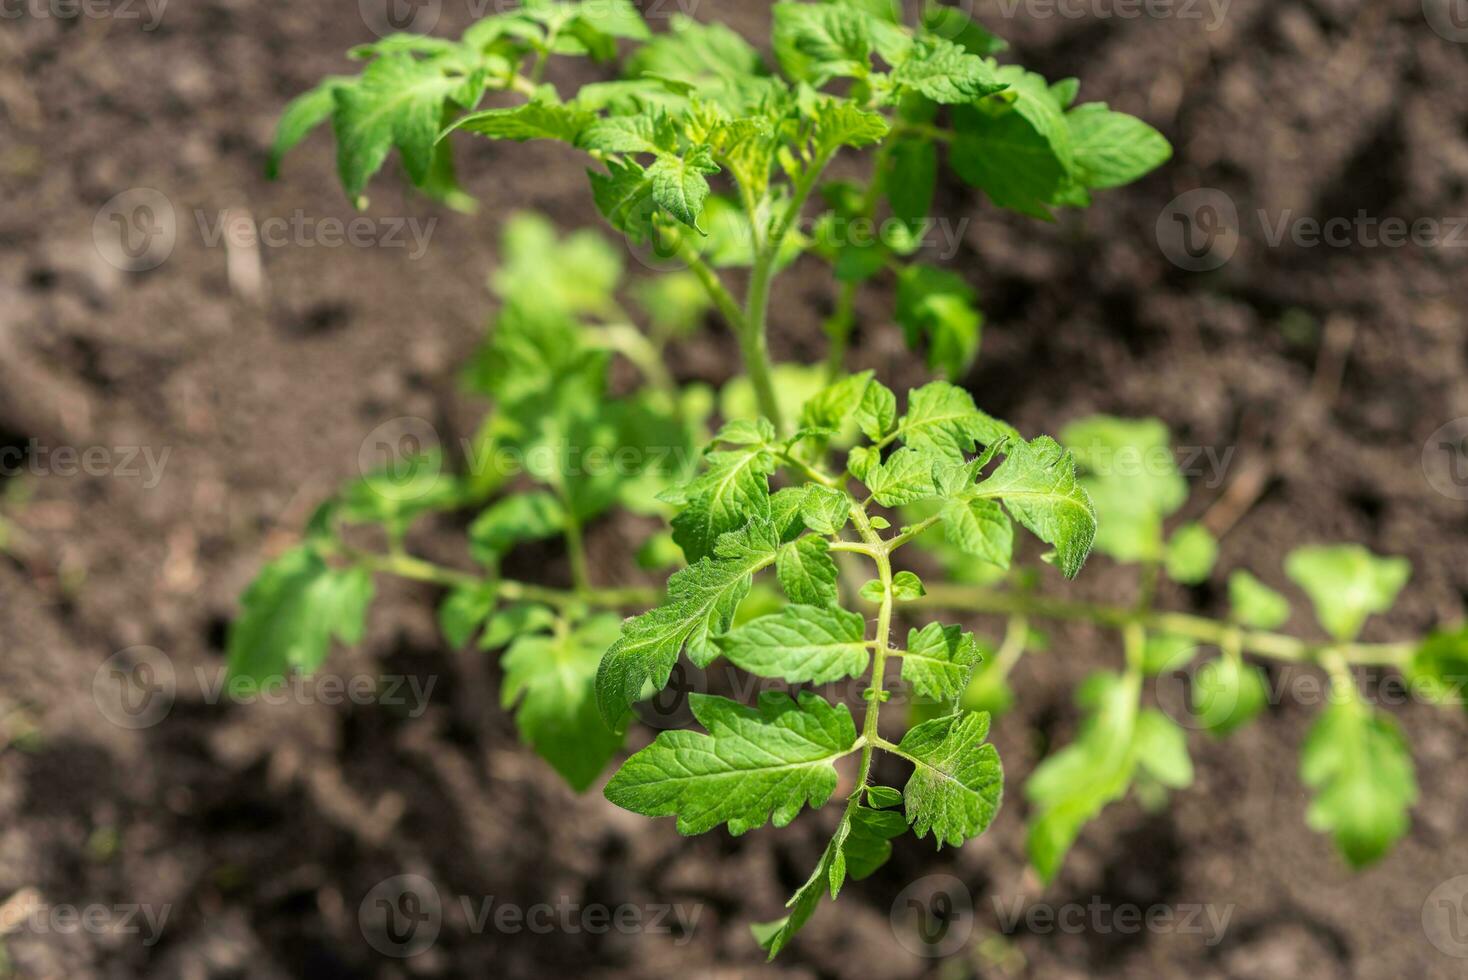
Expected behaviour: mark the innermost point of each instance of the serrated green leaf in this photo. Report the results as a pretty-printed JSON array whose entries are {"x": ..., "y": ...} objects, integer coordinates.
[
  {"x": 957, "y": 780},
  {"x": 806, "y": 571},
  {"x": 907, "y": 476},
  {"x": 520, "y": 619},
  {"x": 980, "y": 528},
  {"x": 825, "y": 510},
  {"x": 1113, "y": 148},
  {"x": 833, "y": 406},
  {"x": 1037, "y": 483},
  {"x": 301, "y": 115},
  {"x": 799, "y": 644},
  {"x": 551, "y": 682},
  {"x": 942, "y": 419},
  {"x": 939, "y": 660},
  {"x": 1133, "y": 480},
  {"x": 1255, "y": 604},
  {"x": 701, "y": 603},
  {"x": 628, "y": 134},
  {"x": 747, "y": 432},
  {"x": 838, "y": 123},
  {"x": 883, "y": 796},
  {"x": 694, "y": 52},
  {"x": 1191, "y": 554},
  {"x": 943, "y": 72},
  {"x": 754, "y": 765},
  {"x": 1346, "y": 583},
  {"x": 816, "y": 43},
  {"x": 397, "y": 102},
  {"x": 1016, "y": 145},
  {"x": 680, "y": 183},
  {"x": 291, "y": 612},
  {"x": 876, "y": 414},
  {"x": 1360, "y": 768},
  {"x": 623, "y": 195},
  {"x": 531, "y": 121},
  {"x": 734, "y": 489}
]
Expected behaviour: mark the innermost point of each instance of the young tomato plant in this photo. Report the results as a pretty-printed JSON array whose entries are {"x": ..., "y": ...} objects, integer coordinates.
[{"x": 704, "y": 155}]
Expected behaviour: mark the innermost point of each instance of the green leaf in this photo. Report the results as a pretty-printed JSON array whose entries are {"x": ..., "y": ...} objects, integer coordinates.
[
  {"x": 907, "y": 587},
  {"x": 1166, "y": 652},
  {"x": 1037, "y": 483},
  {"x": 838, "y": 123},
  {"x": 513, "y": 520},
  {"x": 1191, "y": 554},
  {"x": 834, "y": 405},
  {"x": 825, "y": 510},
  {"x": 1113, "y": 148},
  {"x": 734, "y": 489},
  {"x": 912, "y": 180},
  {"x": 907, "y": 476},
  {"x": 1133, "y": 480},
  {"x": 816, "y": 43},
  {"x": 942, "y": 419},
  {"x": 1360, "y": 768},
  {"x": 937, "y": 306},
  {"x": 1071, "y": 786},
  {"x": 680, "y": 185},
  {"x": 747, "y": 432},
  {"x": 301, "y": 115},
  {"x": 629, "y": 134},
  {"x": 883, "y": 796},
  {"x": 876, "y": 415},
  {"x": 806, "y": 571},
  {"x": 1347, "y": 584},
  {"x": 694, "y": 52},
  {"x": 1227, "y": 694},
  {"x": 520, "y": 619},
  {"x": 957, "y": 780},
  {"x": 1015, "y": 146},
  {"x": 553, "y": 680},
  {"x": 815, "y": 644},
  {"x": 463, "y": 611},
  {"x": 531, "y": 121},
  {"x": 397, "y": 102},
  {"x": 701, "y": 603},
  {"x": 623, "y": 195},
  {"x": 753, "y": 766},
  {"x": 944, "y": 72},
  {"x": 939, "y": 660},
  {"x": 1439, "y": 666},
  {"x": 1255, "y": 604},
  {"x": 1162, "y": 750},
  {"x": 980, "y": 528},
  {"x": 290, "y": 613}
]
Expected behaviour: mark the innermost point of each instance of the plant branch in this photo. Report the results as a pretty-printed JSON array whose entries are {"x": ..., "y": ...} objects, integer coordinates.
[{"x": 418, "y": 570}]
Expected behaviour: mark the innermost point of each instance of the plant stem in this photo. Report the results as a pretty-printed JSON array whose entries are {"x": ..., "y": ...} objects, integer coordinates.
[
  {"x": 1277, "y": 646},
  {"x": 838, "y": 330},
  {"x": 576, "y": 550},
  {"x": 882, "y": 640},
  {"x": 418, "y": 570}
]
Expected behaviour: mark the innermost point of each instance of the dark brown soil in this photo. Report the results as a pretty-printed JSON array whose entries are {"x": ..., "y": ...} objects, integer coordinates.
[{"x": 262, "y": 828}]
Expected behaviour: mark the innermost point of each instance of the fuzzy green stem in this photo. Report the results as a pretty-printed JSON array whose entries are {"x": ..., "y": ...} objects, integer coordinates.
[{"x": 418, "y": 570}]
